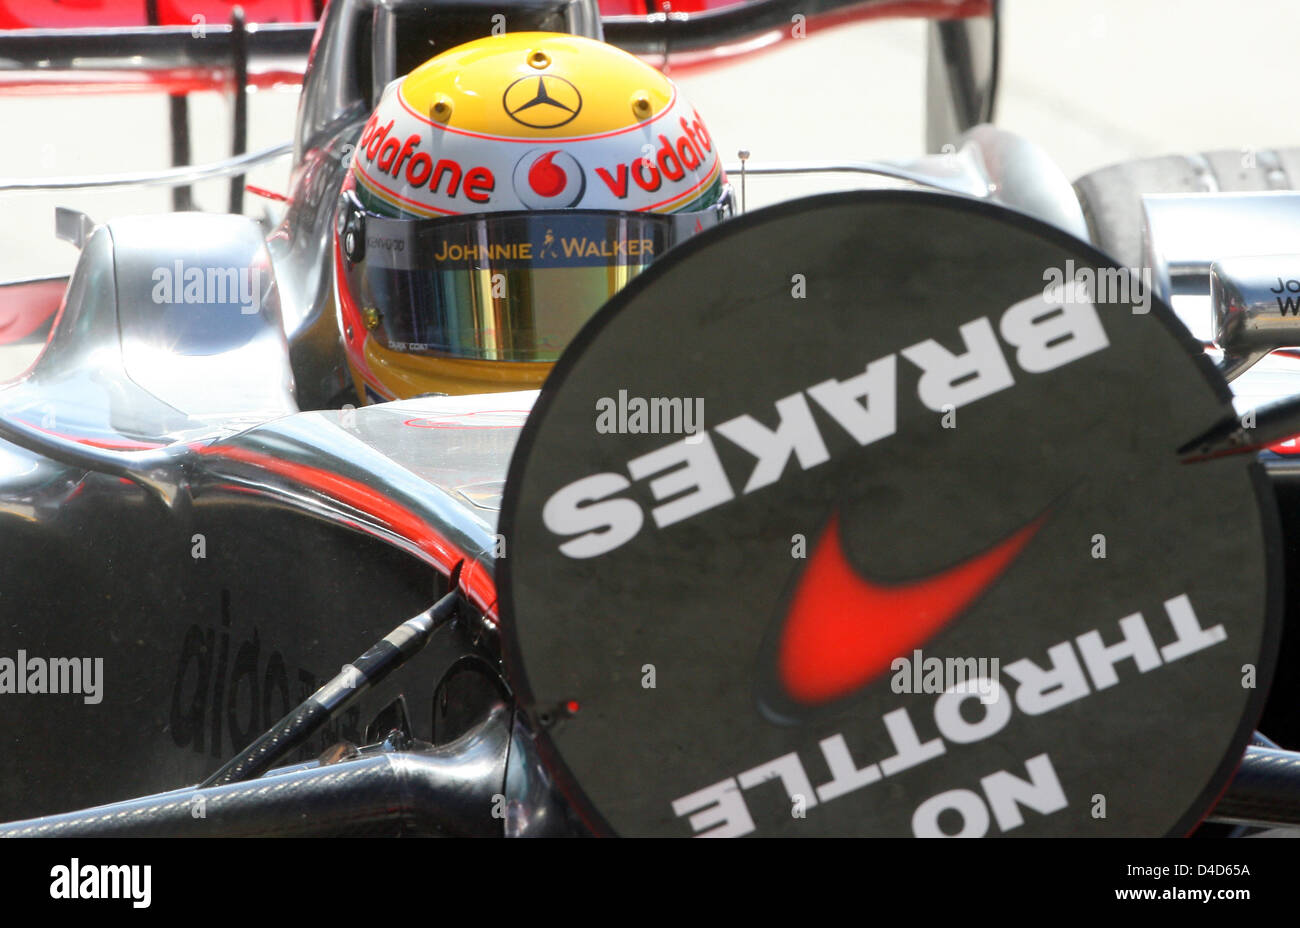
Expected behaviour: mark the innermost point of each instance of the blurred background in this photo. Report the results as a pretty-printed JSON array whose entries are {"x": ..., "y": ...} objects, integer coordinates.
[{"x": 1092, "y": 82}]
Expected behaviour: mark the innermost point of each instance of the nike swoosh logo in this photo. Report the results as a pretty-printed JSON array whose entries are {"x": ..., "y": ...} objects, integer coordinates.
[{"x": 842, "y": 630}]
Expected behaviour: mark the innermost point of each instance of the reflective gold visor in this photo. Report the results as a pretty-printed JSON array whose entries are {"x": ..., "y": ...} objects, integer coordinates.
[{"x": 498, "y": 287}]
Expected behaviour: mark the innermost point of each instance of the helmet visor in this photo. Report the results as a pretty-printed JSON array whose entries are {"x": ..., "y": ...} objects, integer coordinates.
[{"x": 498, "y": 287}]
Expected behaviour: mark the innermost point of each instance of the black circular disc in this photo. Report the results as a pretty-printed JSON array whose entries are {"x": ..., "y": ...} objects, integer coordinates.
[{"x": 931, "y": 565}]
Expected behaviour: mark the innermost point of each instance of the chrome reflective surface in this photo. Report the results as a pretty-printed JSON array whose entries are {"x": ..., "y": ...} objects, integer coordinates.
[
  {"x": 938, "y": 171},
  {"x": 534, "y": 807},
  {"x": 1020, "y": 174},
  {"x": 986, "y": 163},
  {"x": 398, "y": 472},
  {"x": 336, "y": 86},
  {"x": 1184, "y": 233},
  {"x": 300, "y": 251},
  {"x": 159, "y": 471},
  {"x": 167, "y": 177},
  {"x": 301, "y": 541},
  {"x": 72, "y": 226},
  {"x": 1256, "y": 304},
  {"x": 446, "y": 790},
  {"x": 170, "y": 328},
  {"x": 961, "y": 76},
  {"x": 199, "y": 316}
]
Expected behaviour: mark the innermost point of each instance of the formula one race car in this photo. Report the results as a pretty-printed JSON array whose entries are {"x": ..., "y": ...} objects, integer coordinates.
[{"x": 924, "y": 510}]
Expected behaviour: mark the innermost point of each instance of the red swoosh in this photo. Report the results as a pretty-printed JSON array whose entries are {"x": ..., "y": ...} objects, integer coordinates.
[{"x": 842, "y": 630}]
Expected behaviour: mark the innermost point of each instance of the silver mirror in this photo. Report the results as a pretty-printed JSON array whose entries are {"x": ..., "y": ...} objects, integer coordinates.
[
  {"x": 961, "y": 76},
  {"x": 72, "y": 225},
  {"x": 1256, "y": 304}
]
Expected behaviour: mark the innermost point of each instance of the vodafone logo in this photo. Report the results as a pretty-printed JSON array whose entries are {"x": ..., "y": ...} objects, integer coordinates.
[
  {"x": 676, "y": 160},
  {"x": 387, "y": 160},
  {"x": 548, "y": 178}
]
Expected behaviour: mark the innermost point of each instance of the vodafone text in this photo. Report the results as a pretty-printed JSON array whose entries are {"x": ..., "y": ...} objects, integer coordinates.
[
  {"x": 388, "y": 155},
  {"x": 1076, "y": 668},
  {"x": 672, "y": 160},
  {"x": 687, "y": 476}
]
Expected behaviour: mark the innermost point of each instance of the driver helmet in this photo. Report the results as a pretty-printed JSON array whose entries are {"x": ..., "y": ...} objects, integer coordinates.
[{"x": 498, "y": 196}]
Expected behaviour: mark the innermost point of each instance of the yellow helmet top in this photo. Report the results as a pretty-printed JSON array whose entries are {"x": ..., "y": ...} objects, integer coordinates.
[{"x": 535, "y": 120}]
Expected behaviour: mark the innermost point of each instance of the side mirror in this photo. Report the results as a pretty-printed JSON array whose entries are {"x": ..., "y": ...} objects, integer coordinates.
[
  {"x": 72, "y": 225},
  {"x": 961, "y": 76},
  {"x": 1256, "y": 303}
]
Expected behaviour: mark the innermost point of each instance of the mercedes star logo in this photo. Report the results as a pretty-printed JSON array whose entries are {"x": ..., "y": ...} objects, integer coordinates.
[{"x": 543, "y": 102}]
